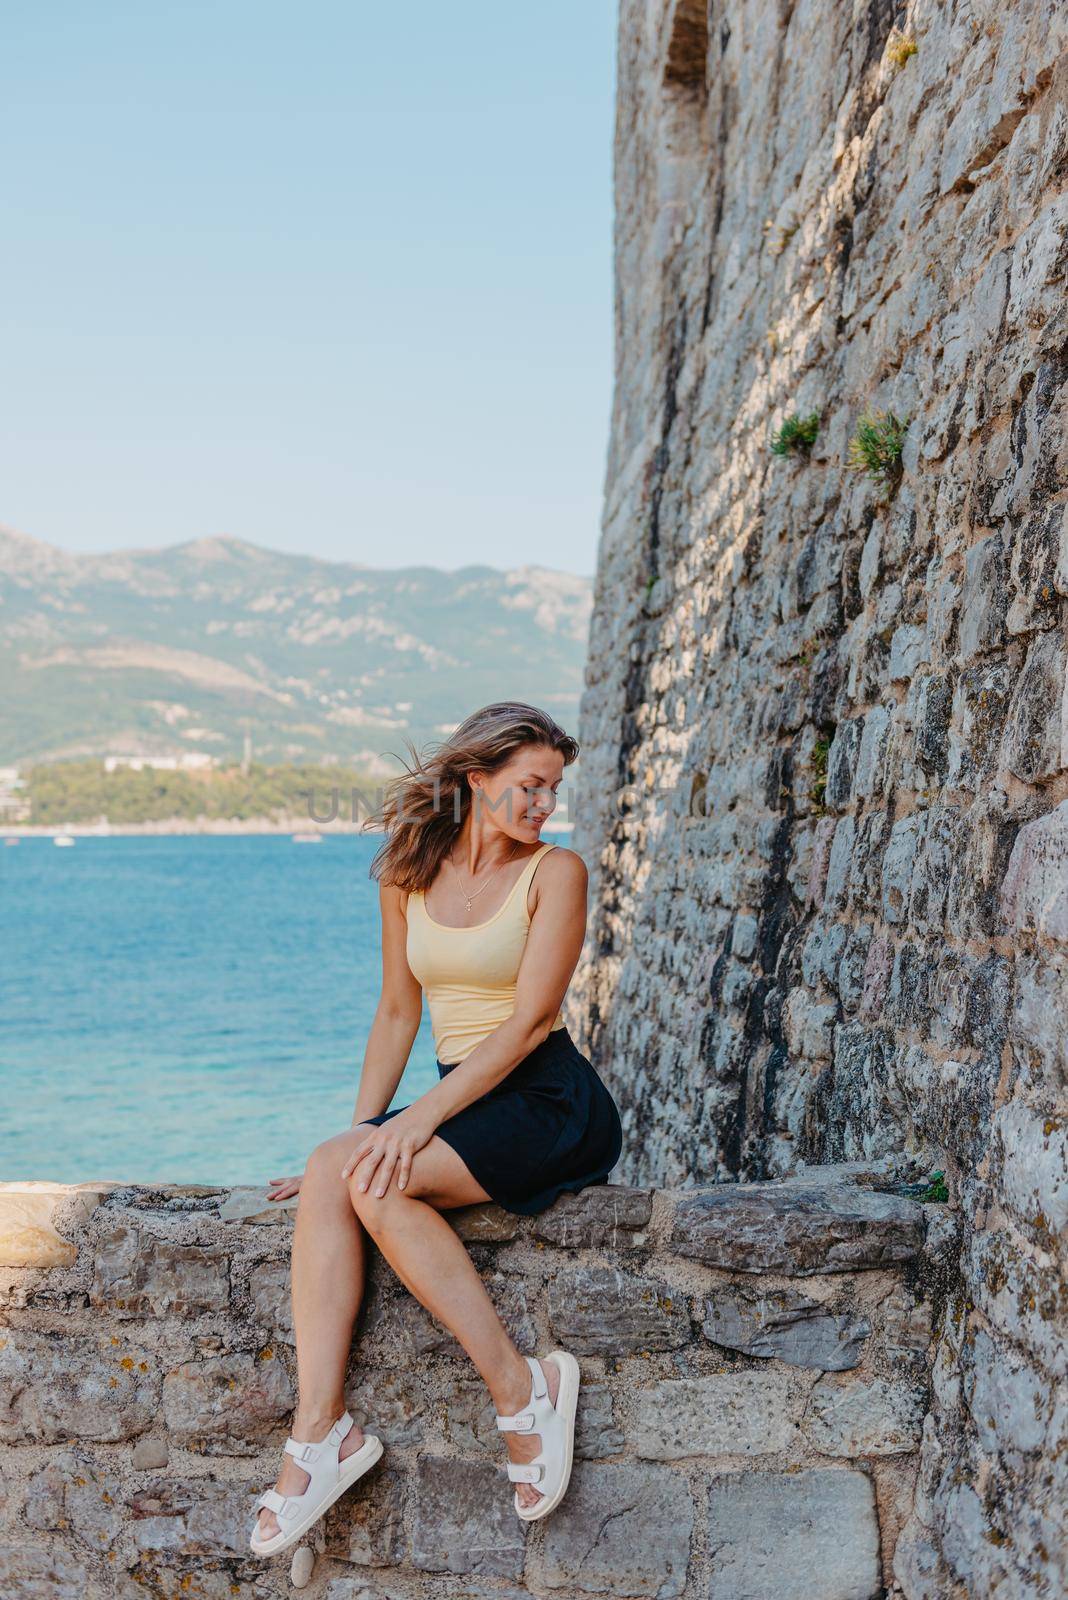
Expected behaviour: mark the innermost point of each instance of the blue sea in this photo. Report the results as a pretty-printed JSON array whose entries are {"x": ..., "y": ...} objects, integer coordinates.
[{"x": 186, "y": 1009}]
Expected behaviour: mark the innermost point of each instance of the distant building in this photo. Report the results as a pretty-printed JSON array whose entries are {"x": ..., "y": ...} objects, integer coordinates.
[
  {"x": 14, "y": 796},
  {"x": 188, "y": 761}
]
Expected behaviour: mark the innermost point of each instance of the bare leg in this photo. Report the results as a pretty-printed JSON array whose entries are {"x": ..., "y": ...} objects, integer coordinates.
[
  {"x": 430, "y": 1259},
  {"x": 327, "y": 1277}
]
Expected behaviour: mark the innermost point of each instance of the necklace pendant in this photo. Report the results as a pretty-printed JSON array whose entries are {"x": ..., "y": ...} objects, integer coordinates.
[{"x": 468, "y": 905}]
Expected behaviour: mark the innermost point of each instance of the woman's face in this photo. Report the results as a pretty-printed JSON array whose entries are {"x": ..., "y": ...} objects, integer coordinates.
[{"x": 519, "y": 797}]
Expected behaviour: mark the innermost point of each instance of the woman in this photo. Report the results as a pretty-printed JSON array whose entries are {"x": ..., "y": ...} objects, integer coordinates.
[{"x": 490, "y": 922}]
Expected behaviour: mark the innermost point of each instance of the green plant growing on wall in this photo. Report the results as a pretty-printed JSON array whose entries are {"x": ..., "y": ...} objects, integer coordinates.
[
  {"x": 875, "y": 448},
  {"x": 899, "y": 47},
  {"x": 797, "y": 435},
  {"x": 936, "y": 1187},
  {"x": 817, "y": 789}
]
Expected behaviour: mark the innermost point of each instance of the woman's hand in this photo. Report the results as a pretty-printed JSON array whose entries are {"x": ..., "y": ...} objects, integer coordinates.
[
  {"x": 388, "y": 1150},
  {"x": 282, "y": 1188}
]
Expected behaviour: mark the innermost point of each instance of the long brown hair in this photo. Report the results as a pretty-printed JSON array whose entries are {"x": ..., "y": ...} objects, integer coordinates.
[{"x": 425, "y": 807}]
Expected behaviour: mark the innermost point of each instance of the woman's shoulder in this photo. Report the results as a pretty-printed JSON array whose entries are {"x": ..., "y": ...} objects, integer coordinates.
[{"x": 561, "y": 865}]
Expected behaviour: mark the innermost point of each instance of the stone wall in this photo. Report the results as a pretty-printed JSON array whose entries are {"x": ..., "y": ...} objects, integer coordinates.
[
  {"x": 824, "y": 729},
  {"x": 754, "y": 1364}
]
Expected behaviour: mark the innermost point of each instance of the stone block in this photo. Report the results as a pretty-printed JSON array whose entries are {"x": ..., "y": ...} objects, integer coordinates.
[
  {"x": 227, "y": 1405},
  {"x": 622, "y": 1529},
  {"x": 37, "y": 1219},
  {"x": 606, "y": 1311},
  {"x": 72, "y": 1493},
  {"x": 191, "y": 1517},
  {"x": 367, "y": 1527},
  {"x": 1011, "y": 1400},
  {"x": 407, "y": 1325},
  {"x": 390, "y": 1403},
  {"x": 1038, "y": 1022},
  {"x": 1031, "y": 1160},
  {"x": 726, "y": 1413},
  {"x": 601, "y": 1217},
  {"x": 984, "y": 601},
  {"x": 59, "y": 1388},
  {"x": 136, "y": 1272},
  {"x": 1034, "y": 894},
  {"x": 793, "y": 1536},
  {"x": 463, "y": 1519},
  {"x": 842, "y": 763},
  {"x": 786, "y": 1325},
  {"x": 1022, "y": 1297},
  {"x": 796, "y": 1227},
  {"x": 1031, "y": 748},
  {"x": 249, "y": 1203},
  {"x": 484, "y": 1224},
  {"x": 29, "y": 1573},
  {"x": 864, "y": 1416},
  {"x": 269, "y": 1286},
  {"x": 906, "y": 839}
]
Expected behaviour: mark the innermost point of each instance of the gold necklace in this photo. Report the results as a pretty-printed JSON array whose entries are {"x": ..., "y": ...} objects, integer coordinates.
[{"x": 468, "y": 898}]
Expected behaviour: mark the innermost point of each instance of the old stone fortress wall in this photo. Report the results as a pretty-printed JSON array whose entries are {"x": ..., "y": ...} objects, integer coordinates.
[
  {"x": 830, "y": 913},
  {"x": 828, "y": 938}
]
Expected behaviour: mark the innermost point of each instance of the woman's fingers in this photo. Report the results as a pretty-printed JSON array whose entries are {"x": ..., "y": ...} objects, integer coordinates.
[
  {"x": 365, "y": 1169},
  {"x": 385, "y": 1172},
  {"x": 356, "y": 1157}
]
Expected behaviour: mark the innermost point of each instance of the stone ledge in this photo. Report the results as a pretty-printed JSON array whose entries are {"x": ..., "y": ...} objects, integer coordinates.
[{"x": 147, "y": 1380}]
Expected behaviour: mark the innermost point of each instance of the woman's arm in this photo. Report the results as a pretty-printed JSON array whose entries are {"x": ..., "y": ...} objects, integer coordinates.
[
  {"x": 554, "y": 944},
  {"x": 397, "y": 1017}
]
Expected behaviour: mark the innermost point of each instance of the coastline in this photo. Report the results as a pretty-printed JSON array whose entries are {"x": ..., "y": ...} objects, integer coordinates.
[{"x": 284, "y": 827}]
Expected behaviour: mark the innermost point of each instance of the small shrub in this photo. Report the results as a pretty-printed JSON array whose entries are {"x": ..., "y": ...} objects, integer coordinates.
[
  {"x": 899, "y": 47},
  {"x": 876, "y": 446},
  {"x": 797, "y": 435},
  {"x": 817, "y": 791},
  {"x": 936, "y": 1187}
]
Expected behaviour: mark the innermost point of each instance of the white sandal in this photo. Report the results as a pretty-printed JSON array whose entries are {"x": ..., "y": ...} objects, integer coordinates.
[
  {"x": 550, "y": 1470},
  {"x": 329, "y": 1478}
]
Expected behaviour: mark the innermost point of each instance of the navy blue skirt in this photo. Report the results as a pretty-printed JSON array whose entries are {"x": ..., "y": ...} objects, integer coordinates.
[{"x": 550, "y": 1125}]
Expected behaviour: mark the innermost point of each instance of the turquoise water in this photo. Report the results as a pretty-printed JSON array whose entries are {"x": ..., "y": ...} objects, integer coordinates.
[{"x": 185, "y": 1009}]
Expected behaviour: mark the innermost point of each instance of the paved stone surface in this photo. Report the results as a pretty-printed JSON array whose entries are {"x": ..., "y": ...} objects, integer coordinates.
[
  {"x": 785, "y": 1324},
  {"x": 782, "y": 1536},
  {"x": 621, "y": 1530},
  {"x": 796, "y": 1227}
]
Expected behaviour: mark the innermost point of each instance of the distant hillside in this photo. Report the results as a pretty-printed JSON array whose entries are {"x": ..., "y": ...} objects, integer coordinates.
[{"x": 183, "y": 649}]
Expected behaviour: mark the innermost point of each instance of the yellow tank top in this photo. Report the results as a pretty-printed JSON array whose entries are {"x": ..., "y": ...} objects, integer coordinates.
[{"x": 469, "y": 974}]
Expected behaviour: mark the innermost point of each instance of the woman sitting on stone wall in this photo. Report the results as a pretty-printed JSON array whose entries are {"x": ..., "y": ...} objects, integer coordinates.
[{"x": 518, "y": 1113}]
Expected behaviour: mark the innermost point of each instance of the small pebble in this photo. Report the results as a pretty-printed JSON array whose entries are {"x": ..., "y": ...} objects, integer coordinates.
[{"x": 301, "y": 1569}]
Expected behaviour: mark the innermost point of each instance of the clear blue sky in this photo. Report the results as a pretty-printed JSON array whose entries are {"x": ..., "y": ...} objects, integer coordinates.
[{"x": 333, "y": 277}]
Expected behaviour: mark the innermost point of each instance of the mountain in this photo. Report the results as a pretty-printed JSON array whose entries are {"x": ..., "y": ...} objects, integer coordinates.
[{"x": 160, "y": 652}]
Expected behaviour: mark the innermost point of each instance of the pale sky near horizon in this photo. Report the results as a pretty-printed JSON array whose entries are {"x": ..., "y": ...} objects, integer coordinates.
[{"x": 333, "y": 278}]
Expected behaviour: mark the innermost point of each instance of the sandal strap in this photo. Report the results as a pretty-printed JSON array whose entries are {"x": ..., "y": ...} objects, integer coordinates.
[
  {"x": 521, "y": 1422},
  {"x": 526, "y": 1471},
  {"x": 306, "y": 1450},
  {"x": 539, "y": 1406},
  {"x": 272, "y": 1500}
]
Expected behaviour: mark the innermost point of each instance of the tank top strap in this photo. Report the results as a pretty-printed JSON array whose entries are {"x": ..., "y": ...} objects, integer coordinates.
[{"x": 417, "y": 897}]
